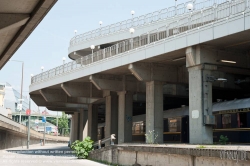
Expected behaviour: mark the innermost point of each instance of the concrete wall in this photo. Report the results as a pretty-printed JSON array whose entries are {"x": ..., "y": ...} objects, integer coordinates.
[
  {"x": 162, "y": 156},
  {"x": 9, "y": 140}
]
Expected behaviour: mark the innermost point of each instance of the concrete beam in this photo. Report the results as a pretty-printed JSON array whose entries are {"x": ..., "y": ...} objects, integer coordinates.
[
  {"x": 40, "y": 101},
  {"x": 117, "y": 83},
  {"x": 154, "y": 72},
  {"x": 68, "y": 110},
  {"x": 53, "y": 95},
  {"x": 201, "y": 54},
  {"x": 81, "y": 89},
  {"x": 10, "y": 21}
]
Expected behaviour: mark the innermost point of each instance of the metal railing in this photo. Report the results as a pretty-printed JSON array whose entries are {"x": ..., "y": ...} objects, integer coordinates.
[
  {"x": 156, "y": 16},
  {"x": 110, "y": 139},
  {"x": 191, "y": 22}
]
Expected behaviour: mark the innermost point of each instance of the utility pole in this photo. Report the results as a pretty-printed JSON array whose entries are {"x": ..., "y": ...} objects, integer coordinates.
[
  {"x": 28, "y": 142},
  {"x": 57, "y": 126}
]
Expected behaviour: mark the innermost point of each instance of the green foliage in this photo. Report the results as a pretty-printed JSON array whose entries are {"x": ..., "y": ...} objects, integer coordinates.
[
  {"x": 62, "y": 124},
  {"x": 223, "y": 139},
  {"x": 82, "y": 148}
]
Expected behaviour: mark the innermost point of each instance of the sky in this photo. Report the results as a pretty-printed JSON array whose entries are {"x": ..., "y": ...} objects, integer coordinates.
[{"x": 49, "y": 42}]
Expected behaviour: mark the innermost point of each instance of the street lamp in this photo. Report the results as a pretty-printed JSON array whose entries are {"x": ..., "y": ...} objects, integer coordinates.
[
  {"x": 132, "y": 13},
  {"x": 100, "y": 23},
  {"x": 63, "y": 60},
  {"x": 190, "y": 6},
  {"x": 92, "y": 48},
  {"x": 131, "y": 31},
  {"x": 31, "y": 76},
  {"x": 21, "y": 95}
]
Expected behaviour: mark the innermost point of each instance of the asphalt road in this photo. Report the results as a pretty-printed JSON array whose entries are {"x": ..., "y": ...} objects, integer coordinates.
[{"x": 56, "y": 155}]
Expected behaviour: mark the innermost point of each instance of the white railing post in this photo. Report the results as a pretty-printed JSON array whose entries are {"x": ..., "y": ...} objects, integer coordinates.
[
  {"x": 104, "y": 53},
  {"x": 116, "y": 47},
  {"x": 139, "y": 42},
  {"x": 148, "y": 38}
]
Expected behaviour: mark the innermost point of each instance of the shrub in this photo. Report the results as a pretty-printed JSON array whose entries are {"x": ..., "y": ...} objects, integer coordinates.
[
  {"x": 82, "y": 148},
  {"x": 223, "y": 139}
]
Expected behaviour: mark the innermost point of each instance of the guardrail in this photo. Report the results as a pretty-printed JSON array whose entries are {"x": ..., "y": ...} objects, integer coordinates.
[
  {"x": 156, "y": 16},
  {"x": 99, "y": 143},
  {"x": 193, "y": 21}
]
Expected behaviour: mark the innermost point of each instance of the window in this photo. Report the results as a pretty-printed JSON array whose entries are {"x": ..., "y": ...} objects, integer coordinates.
[
  {"x": 174, "y": 124},
  {"x": 226, "y": 120}
]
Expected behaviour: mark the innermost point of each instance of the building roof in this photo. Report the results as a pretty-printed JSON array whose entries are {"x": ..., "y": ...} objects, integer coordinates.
[{"x": 17, "y": 20}]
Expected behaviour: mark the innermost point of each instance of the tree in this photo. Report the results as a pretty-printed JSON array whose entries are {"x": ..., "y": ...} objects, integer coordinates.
[{"x": 62, "y": 124}]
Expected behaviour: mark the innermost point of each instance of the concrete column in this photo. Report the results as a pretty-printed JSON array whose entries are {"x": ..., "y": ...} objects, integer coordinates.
[
  {"x": 200, "y": 104},
  {"x": 125, "y": 114},
  {"x": 154, "y": 111},
  {"x": 76, "y": 127},
  {"x": 72, "y": 129},
  {"x": 83, "y": 121},
  {"x": 93, "y": 121},
  {"x": 111, "y": 117},
  {"x": 85, "y": 127}
]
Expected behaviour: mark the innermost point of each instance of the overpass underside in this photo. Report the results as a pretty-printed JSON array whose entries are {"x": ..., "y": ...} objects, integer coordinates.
[{"x": 193, "y": 67}]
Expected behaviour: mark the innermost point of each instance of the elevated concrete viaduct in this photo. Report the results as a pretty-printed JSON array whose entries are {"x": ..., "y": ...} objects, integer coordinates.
[{"x": 191, "y": 61}]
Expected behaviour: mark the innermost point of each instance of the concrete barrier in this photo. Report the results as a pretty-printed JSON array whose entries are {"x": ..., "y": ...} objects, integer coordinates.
[
  {"x": 13, "y": 134},
  {"x": 158, "y": 155}
]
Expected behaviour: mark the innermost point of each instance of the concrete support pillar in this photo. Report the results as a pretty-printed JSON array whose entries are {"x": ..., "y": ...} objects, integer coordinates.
[
  {"x": 92, "y": 121},
  {"x": 82, "y": 124},
  {"x": 72, "y": 129},
  {"x": 200, "y": 104},
  {"x": 111, "y": 120},
  {"x": 76, "y": 127},
  {"x": 125, "y": 114},
  {"x": 154, "y": 112}
]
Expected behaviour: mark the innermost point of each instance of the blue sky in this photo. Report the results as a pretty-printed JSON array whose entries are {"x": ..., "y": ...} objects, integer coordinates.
[{"x": 49, "y": 42}]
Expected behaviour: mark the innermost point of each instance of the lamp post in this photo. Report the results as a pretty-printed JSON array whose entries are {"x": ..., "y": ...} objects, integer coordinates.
[
  {"x": 175, "y": 7},
  {"x": 190, "y": 6},
  {"x": 92, "y": 48},
  {"x": 63, "y": 62},
  {"x": 132, "y": 13},
  {"x": 21, "y": 95},
  {"x": 131, "y": 31},
  {"x": 100, "y": 23}
]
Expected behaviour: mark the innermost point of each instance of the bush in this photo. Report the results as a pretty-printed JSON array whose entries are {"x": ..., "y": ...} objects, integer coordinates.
[
  {"x": 82, "y": 148},
  {"x": 223, "y": 139}
]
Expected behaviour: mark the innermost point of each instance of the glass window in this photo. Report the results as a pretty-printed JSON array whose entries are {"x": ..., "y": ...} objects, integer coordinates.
[
  {"x": 138, "y": 127},
  {"x": 174, "y": 125},
  {"x": 226, "y": 120}
]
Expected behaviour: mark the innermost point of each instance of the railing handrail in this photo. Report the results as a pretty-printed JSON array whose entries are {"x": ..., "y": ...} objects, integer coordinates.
[
  {"x": 173, "y": 9},
  {"x": 205, "y": 17}
]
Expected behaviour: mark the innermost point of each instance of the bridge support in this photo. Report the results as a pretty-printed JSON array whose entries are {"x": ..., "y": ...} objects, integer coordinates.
[
  {"x": 125, "y": 114},
  {"x": 200, "y": 96},
  {"x": 154, "y": 112},
  {"x": 93, "y": 121},
  {"x": 111, "y": 120},
  {"x": 83, "y": 122}
]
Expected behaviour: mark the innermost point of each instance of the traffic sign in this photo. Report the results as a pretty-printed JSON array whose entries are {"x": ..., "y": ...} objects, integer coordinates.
[
  {"x": 44, "y": 119},
  {"x": 20, "y": 107},
  {"x": 28, "y": 112}
]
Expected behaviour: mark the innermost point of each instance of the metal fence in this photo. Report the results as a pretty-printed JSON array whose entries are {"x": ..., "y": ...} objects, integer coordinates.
[
  {"x": 193, "y": 21},
  {"x": 156, "y": 16}
]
